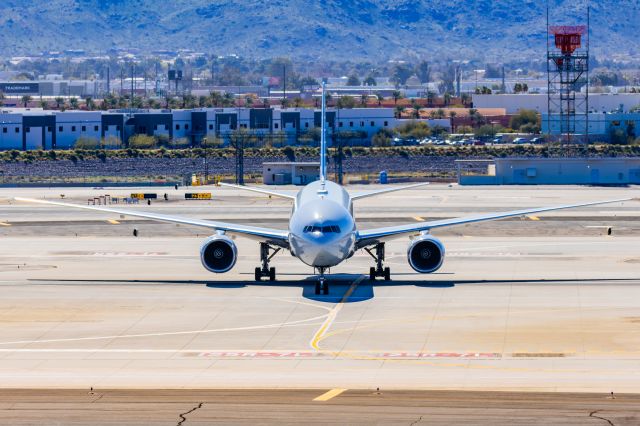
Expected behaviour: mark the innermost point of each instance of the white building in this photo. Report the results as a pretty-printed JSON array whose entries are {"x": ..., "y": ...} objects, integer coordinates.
[{"x": 598, "y": 102}]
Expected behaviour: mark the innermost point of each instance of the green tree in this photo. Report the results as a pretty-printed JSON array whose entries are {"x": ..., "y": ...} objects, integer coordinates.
[
  {"x": 382, "y": 138},
  {"x": 353, "y": 80},
  {"x": 486, "y": 131},
  {"x": 363, "y": 99},
  {"x": 525, "y": 117},
  {"x": 59, "y": 101},
  {"x": 370, "y": 81},
  {"x": 423, "y": 71},
  {"x": 142, "y": 142},
  {"x": 401, "y": 73},
  {"x": 380, "y": 98},
  {"x": 44, "y": 104},
  {"x": 73, "y": 102},
  {"x": 414, "y": 129},
  {"x": 25, "y": 100},
  {"x": 346, "y": 102},
  {"x": 1, "y": 98}
]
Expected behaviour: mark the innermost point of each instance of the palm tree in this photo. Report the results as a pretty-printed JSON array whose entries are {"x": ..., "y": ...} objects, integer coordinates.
[
  {"x": 59, "y": 101},
  {"x": 228, "y": 99},
  {"x": 44, "y": 104},
  {"x": 89, "y": 103},
  {"x": 363, "y": 99},
  {"x": 74, "y": 103},
  {"x": 1, "y": 98},
  {"x": 452, "y": 116},
  {"x": 25, "y": 100},
  {"x": 380, "y": 98},
  {"x": 396, "y": 95}
]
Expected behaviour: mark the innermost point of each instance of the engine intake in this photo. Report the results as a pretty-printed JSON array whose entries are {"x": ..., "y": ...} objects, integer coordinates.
[
  {"x": 218, "y": 254},
  {"x": 426, "y": 254}
]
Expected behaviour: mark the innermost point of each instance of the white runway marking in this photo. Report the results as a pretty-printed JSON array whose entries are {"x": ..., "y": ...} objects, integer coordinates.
[{"x": 174, "y": 333}]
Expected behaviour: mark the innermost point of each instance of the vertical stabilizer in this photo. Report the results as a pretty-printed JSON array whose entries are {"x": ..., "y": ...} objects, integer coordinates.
[{"x": 323, "y": 137}]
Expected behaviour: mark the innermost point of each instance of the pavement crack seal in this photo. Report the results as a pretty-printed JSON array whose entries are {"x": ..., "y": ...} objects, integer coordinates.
[
  {"x": 592, "y": 414},
  {"x": 417, "y": 421},
  {"x": 183, "y": 416},
  {"x": 331, "y": 316}
]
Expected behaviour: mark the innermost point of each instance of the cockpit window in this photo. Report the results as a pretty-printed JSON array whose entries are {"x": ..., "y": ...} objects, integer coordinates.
[{"x": 326, "y": 229}]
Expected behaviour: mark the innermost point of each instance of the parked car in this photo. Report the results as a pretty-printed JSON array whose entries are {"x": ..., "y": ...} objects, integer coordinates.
[
  {"x": 520, "y": 140},
  {"x": 537, "y": 140}
]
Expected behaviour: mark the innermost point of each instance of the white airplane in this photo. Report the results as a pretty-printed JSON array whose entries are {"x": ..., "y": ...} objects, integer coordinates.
[{"x": 322, "y": 229}]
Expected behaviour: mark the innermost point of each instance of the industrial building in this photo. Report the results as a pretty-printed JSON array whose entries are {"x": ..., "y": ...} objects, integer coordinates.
[
  {"x": 549, "y": 171},
  {"x": 33, "y": 128},
  {"x": 601, "y": 126},
  {"x": 598, "y": 102},
  {"x": 288, "y": 173}
]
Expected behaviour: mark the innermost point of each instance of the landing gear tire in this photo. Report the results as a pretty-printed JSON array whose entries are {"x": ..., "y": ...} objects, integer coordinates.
[
  {"x": 372, "y": 273},
  {"x": 258, "y": 274},
  {"x": 387, "y": 273},
  {"x": 272, "y": 274}
]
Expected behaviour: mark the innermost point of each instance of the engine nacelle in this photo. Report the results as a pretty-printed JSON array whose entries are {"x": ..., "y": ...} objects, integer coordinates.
[
  {"x": 218, "y": 254},
  {"x": 426, "y": 254}
]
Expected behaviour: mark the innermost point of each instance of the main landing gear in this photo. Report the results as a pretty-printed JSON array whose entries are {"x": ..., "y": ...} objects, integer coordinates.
[
  {"x": 378, "y": 270},
  {"x": 322, "y": 286},
  {"x": 265, "y": 257}
]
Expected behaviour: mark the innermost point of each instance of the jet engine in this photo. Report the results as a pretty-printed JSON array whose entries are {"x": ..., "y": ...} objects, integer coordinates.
[
  {"x": 426, "y": 254},
  {"x": 218, "y": 254}
]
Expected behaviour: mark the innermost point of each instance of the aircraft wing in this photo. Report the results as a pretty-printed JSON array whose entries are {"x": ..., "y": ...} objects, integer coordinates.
[
  {"x": 260, "y": 190},
  {"x": 274, "y": 236},
  {"x": 386, "y": 190},
  {"x": 370, "y": 236}
]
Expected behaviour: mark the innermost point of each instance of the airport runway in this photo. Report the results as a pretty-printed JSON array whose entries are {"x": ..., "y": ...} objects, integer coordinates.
[
  {"x": 544, "y": 304},
  {"x": 311, "y": 407}
]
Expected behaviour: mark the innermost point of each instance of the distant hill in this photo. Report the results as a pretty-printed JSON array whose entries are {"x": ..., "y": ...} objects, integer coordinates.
[{"x": 332, "y": 29}]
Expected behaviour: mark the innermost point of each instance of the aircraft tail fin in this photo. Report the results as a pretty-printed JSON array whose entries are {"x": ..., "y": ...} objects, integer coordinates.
[{"x": 323, "y": 138}]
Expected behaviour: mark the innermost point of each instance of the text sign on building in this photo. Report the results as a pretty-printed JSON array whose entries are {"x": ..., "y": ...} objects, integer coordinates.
[{"x": 19, "y": 88}]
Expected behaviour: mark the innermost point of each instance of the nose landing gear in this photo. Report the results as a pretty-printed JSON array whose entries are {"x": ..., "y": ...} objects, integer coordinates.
[
  {"x": 265, "y": 271},
  {"x": 379, "y": 270},
  {"x": 322, "y": 286}
]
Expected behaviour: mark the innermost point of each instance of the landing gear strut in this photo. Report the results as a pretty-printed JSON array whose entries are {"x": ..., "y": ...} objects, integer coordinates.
[
  {"x": 265, "y": 271},
  {"x": 322, "y": 286},
  {"x": 378, "y": 270}
]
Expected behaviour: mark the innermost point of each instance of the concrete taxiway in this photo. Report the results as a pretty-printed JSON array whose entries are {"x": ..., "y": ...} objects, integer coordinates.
[{"x": 548, "y": 303}]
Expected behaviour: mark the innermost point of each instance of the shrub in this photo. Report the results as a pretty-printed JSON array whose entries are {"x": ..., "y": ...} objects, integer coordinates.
[
  {"x": 381, "y": 138},
  {"x": 142, "y": 142},
  {"x": 86, "y": 142}
]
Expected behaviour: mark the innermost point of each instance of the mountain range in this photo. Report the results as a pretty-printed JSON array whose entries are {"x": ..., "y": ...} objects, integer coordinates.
[{"x": 322, "y": 29}]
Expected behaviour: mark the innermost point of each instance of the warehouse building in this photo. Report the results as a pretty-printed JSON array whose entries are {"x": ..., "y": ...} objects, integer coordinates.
[{"x": 34, "y": 128}]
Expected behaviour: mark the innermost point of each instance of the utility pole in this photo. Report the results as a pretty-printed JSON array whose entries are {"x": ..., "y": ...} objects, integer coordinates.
[
  {"x": 108, "y": 79},
  {"x": 121, "y": 81},
  {"x": 284, "y": 82},
  {"x": 132, "y": 90}
]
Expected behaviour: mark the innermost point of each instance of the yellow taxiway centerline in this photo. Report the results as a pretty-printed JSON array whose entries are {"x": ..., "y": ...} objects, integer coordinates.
[
  {"x": 418, "y": 219},
  {"x": 332, "y": 315},
  {"x": 5, "y": 224},
  {"x": 113, "y": 222},
  {"x": 329, "y": 395}
]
